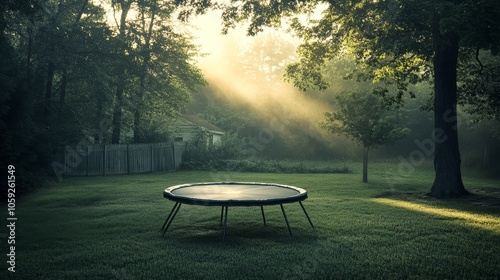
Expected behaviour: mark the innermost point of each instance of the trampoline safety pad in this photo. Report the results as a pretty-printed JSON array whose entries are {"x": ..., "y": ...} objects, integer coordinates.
[{"x": 227, "y": 194}]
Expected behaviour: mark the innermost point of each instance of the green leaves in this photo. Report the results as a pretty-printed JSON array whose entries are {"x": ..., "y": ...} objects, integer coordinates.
[
  {"x": 364, "y": 118},
  {"x": 392, "y": 40},
  {"x": 91, "y": 54}
]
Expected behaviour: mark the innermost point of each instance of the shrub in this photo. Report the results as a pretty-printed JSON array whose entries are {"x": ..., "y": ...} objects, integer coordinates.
[
  {"x": 200, "y": 156},
  {"x": 226, "y": 156},
  {"x": 260, "y": 165}
]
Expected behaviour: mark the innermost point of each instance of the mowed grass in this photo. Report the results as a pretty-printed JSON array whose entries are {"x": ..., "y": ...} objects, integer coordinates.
[{"x": 108, "y": 228}]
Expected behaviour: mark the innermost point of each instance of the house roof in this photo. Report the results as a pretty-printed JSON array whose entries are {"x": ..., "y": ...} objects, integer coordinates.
[{"x": 202, "y": 123}]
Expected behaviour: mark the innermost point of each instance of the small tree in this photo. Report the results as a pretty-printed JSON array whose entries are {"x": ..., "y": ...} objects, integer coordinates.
[{"x": 366, "y": 119}]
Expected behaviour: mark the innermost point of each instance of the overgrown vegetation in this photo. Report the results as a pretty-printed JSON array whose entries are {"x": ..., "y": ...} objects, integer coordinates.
[
  {"x": 262, "y": 165},
  {"x": 228, "y": 156}
]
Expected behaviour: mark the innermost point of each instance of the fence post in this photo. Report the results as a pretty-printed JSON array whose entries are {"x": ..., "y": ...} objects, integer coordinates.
[{"x": 104, "y": 160}]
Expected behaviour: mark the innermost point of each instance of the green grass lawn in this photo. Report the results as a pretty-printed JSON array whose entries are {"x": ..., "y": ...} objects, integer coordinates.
[{"x": 108, "y": 228}]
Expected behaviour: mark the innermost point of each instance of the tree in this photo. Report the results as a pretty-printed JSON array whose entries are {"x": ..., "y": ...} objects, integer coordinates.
[
  {"x": 479, "y": 85},
  {"x": 69, "y": 55},
  {"x": 398, "y": 41},
  {"x": 17, "y": 124},
  {"x": 123, "y": 7},
  {"x": 155, "y": 74},
  {"x": 63, "y": 65},
  {"x": 379, "y": 127},
  {"x": 265, "y": 59}
]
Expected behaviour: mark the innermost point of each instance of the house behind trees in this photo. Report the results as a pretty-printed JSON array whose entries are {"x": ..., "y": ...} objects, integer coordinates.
[{"x": 189, "y": 127}]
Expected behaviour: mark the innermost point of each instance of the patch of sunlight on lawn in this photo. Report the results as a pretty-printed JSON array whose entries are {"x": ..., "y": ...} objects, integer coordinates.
[{"x": 487, "y": 222}]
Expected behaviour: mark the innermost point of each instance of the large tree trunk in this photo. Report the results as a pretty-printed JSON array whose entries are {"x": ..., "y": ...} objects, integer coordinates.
[
  {"x": 64, "y": 85},
  {"x": 48, "y": 92},
  {"x": 138, "y": 109},
  {"x": 117, "y": 112},
  {"x": 29, "y": 50},
  {"x": 137, "y": 122},
  {"x": 120, "y": 87},
  {"x": 145, "y": 65},
  {"x": 448, "y": 178}
]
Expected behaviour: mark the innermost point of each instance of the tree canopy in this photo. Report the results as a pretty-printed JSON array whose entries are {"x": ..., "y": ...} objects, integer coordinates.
[
  {"x": 397, "y": 42},
  {"x": 88, "y": 71}
]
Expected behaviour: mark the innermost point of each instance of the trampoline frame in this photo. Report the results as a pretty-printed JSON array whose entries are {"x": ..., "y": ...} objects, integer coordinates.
[{"x": 225, "y": 203}]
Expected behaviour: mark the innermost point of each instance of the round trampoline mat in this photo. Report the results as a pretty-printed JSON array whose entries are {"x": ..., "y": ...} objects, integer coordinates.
[{"x": 234, "y": 193}]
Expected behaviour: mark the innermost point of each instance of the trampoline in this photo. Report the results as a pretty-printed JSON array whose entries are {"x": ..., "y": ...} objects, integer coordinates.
[{"x": 225, "y": 194}]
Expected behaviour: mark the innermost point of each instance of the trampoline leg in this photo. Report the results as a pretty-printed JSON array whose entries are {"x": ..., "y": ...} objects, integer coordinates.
[
  {"x": 263, "y": 216},
  {"x": 286, "y": 220},
  {"x": 221, "y": 214},
  {"x": 306, "y": 213},
  {"x": 169, "y": 215},
  {"x": 224, "y": 230},
  {"x": 172, "y": 218}
]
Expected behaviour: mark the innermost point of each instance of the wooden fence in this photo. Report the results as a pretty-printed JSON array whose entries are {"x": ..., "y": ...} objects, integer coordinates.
[{"x": 94, "y": 160}]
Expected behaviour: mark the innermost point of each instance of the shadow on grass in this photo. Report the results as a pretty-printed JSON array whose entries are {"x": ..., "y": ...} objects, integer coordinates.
[
  {"x": 240, "y": 234},
  {"x": 299, "y": 257}
]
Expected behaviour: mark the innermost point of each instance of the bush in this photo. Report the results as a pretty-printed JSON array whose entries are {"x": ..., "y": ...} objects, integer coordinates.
[
  {"x": 260, "y": 165},
  {"x": 199, "y": 153},
  {"x": 227, "y": 156}
]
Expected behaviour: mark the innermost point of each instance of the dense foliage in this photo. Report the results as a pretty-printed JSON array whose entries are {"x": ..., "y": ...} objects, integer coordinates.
[
  {"x": 76, "y": 72},
  {"x": 398, "y": 42}
]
